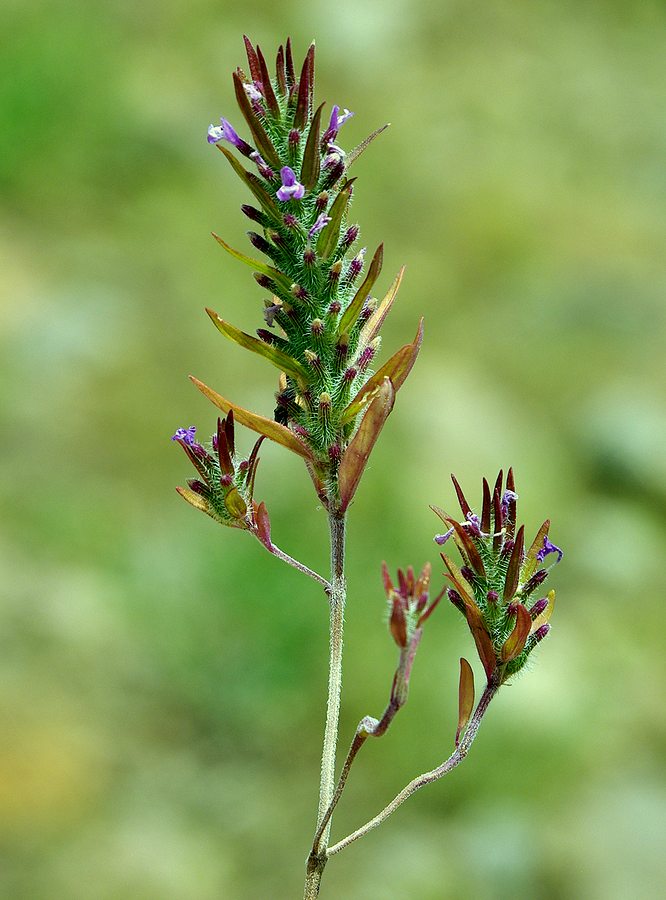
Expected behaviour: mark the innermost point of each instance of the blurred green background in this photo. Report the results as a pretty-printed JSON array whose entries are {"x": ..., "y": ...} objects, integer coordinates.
[{"x": 161, "y": 680}]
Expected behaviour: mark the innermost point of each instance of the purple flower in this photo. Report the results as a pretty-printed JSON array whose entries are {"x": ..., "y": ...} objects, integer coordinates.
[
  {"x": 443, "y": 538},
  {"x": 336, "y": 122},
  {"x": 253, "y": 92},
  {"x": 548, "y": 547},
  {"x": 322, "y": 222},
  {"x": 291, "y": 188},
  {"x": 507, "y": 498},
  {"x": 186, "y": 435},
  {"x": 474, "y": 524}
]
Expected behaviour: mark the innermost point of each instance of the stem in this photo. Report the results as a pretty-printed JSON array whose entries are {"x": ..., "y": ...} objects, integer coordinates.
[
  {"x": 280, "y": 554},
  {"x": 318, "y": 858},
  {"x": 428, "y": 777}
]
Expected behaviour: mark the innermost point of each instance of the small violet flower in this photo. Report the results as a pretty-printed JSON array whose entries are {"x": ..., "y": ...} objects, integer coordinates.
[
  {"x": 225, "y": 132},
  {"x": 507, "y": 497},
  {"x": 186, "y": 435},
  {"x": 549, "y": 547},
  {"x": 253, "y": 92},
  {"x": 322, "y": 222},
  {"x": 291, "y": 189},
  {"x": 337, "y": 120},
  {"x": 443, "y": 538},
  {"x": 474, "y": 524}
]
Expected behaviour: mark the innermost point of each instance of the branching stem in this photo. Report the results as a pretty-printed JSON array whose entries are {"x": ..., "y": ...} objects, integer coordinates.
[
  {"x": 301, "y": 567},
  {"x": 427, "y": 777}
]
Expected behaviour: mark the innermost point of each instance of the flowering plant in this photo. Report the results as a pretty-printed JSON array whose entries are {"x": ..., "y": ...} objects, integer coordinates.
[{"x": 321, "y": 331}]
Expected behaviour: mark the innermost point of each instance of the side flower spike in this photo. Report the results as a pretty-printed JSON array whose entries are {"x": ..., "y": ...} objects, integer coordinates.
[
  {"x": 498, "y": 575},
  {"x": 225, "y": 484}
]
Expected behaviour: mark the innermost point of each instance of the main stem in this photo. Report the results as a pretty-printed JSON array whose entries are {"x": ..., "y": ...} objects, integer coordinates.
[{"x": 316, "y": 863}]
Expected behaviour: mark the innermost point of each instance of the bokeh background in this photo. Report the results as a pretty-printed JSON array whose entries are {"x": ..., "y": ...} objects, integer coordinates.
[{"x": 161, "y": 680}]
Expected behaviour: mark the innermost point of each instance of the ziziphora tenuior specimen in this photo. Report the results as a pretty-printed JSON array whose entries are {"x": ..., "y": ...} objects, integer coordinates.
[{"x": 321, "y": 331}]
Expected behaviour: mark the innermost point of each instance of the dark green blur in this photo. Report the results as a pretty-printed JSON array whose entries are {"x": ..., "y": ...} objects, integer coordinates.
[{"x": 162, "y": 678}]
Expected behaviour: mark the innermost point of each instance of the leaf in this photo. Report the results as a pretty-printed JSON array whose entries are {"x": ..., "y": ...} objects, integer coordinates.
[
  {"x": 465, "y": 696},
  {"x": 305, "y": 87},
  {"x": 270, "y": 429},
  {"x": 515, "y": 643},
  {"x": 194, "y": 500},
  {"x": 352, "y": 312},
  {"x": 530, "y": 565},
  {"x": 261, "y": 139},
  {"x": 254, "y": 184},
  {"x": 311, "y": 156},
  {"x": 376, "y": 320},
  {"x": 462, "y": 500},
  {"x": 484, "y": 645},
  {"x": 269, "y": 93},
  {"x": 358, "y": 452},
  {"x": 457, "y": 577},
  {"x": 329, "y": 236},
  {"x": 262, "y": 525},
  {"x": 354, "y": 154},
  {"x": 278, "y": 358},
  {"x": 544, "y": 617},
  {"x": 252, "y": 60},
  {"x": 513, "y": 569},
  {"x": 256, "y": 264},
  {"x": 397, "y": 368}
]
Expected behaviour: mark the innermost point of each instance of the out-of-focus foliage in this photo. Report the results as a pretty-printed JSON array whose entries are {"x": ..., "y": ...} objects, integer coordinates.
[{"x": 161, "y": 680}]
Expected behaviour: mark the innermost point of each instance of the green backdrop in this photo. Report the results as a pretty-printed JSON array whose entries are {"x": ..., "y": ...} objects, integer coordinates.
[{"x": 161, "y": 679}]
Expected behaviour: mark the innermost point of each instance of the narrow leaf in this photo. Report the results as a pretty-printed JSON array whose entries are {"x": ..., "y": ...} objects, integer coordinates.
[
  {"x": 467, "y": 546},
  {"x": 252, "y": 60},
  {"x": 513, "y": 569},
  {"x": 461, "y": 584},
  {"x": 354, "y": 154},
  {"x": 269, "y": 93},
  {"x": 465, "y": 697},
  {"x": 270, "y": 429},
  {"x": 278, "y": 358},
  {"x": 289, "y": 64},
  {"x": 373, "y": 325},
  {"x": 311, "y": 155},
  {"x": 258, "y": 266},
  {"x": 330, "y": 235},
  {"x": 485, "y": 508},
  {"x": 358, "y": 452},
  {"x": 530, "y": 564},
  {"x": 194, "y": 500},
  {"x": 281, "y": 71},
  {"x": 510, "y": 522},
  {"x": 484, "y": 645},
  {"x": 397, "y": 368},
  {"x": 254, "y": 184},
  {"x": 262, "y": 525},
  {"x": 261, "y": 139},
  {"x": 464, "y": 505},
  {"x": 352, "y": 312},
  {"x": 515, "y": 643},
  {"x": 304, "y": 90}
]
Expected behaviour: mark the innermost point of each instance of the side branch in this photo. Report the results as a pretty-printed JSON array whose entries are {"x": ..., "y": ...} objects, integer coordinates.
[{"x": 427, "y": 777}]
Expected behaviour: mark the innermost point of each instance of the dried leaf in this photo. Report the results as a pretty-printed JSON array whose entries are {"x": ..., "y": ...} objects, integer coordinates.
[
  {"x": 513, "y": 569},
  {"x": 270, "y": 429},
  {"x": 397, "y": 368},
  {"x": 465, "y": 696},
  {"x": 263, "y": 525},
  {"x": 194, "y": 500},
  {"x": 515, "y": 643},
  {"x": 359, "y": 449}
]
